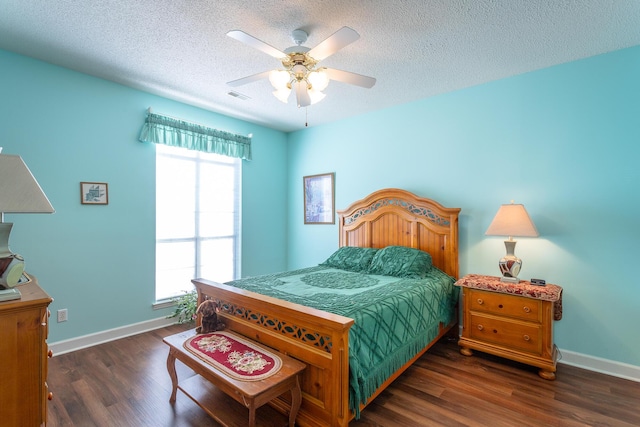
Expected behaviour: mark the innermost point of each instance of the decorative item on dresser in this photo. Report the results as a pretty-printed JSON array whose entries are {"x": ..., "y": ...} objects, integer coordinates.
[
  {"x": 24, "y": 326},
  {"x": 511, "y": 320}
]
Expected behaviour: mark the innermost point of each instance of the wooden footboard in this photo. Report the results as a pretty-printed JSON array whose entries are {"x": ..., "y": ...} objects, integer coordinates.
[{"x": 317, "y": 338}]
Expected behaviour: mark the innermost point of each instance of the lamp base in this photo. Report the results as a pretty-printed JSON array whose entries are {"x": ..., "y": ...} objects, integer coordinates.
[
  {"x": 11, "y": 269},
  {"x": 11, "y": 265},
  {"x": 510, "y": 264}
]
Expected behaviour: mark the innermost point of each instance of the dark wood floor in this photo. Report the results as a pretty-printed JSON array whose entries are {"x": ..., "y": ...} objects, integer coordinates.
[{"x": 125, "y": 383}]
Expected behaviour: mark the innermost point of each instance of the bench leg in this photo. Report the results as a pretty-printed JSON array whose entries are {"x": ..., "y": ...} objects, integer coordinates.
[
  {"x": 171, "y": 367},
  {"x": 296, "y": 400}
]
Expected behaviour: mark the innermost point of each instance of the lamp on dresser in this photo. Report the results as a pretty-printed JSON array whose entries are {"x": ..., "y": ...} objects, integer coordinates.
[
  {"x": 19, "y": 193},
  {"x": 511, "y": 220}
]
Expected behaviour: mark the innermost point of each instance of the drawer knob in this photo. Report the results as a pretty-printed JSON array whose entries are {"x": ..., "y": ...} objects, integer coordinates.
[
  {"x": 50, "y": 396},
  {"x": 480, "y": 327},
  {"x": 480, "y": 301},
  {"x": 50, "y": 354},
  {"x": 526, "y": 309},
  {"x": 527, "y": 338}
]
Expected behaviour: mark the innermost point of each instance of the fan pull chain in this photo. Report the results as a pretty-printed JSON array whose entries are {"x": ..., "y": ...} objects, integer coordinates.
[{"x": 306, "y": 117}]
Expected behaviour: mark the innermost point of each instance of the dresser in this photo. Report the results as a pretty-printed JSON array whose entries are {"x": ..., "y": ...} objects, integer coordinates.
[
  {"x": 24, "y": 357},
  {"x": 511, "y": 320}
]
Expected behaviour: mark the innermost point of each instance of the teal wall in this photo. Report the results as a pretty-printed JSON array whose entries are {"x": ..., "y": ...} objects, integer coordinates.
[
  {"x": 564, "y": 141},
  {"x": 98, "y": 261}
]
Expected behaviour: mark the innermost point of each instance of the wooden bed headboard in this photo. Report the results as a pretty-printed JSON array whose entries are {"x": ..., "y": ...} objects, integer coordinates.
[{"x": 398, "y": 217}]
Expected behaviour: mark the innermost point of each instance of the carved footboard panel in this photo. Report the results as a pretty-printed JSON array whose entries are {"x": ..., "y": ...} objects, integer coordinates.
[{"x": 317, "y": 338}]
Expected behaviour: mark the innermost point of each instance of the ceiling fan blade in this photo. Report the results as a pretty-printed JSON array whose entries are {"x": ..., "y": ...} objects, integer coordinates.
[
  {"x": 302, "y": 94},
  {"x": 249, "y": 79},
  {"x": 336, "y": 41},
  {"x": 351, "y": 78},
  {"x": 247, "y": 39}
]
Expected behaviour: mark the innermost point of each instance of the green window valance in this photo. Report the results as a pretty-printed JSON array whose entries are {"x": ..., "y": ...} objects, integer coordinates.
[{"x": 178, "y": 133}]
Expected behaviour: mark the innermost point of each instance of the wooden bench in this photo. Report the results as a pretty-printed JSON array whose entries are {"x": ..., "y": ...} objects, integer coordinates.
[{"x": 252, "y": 394}]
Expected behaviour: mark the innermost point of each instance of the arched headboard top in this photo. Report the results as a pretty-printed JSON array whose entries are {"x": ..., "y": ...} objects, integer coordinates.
[{"x": 395, "y": 217}]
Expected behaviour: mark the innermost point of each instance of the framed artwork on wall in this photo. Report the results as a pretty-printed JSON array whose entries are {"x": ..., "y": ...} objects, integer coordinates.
[
  {"x": 319, "y": 199},
  {"x": 94, "y": 193}
]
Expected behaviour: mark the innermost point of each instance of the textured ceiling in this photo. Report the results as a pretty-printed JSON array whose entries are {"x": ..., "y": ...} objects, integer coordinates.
[{"x": 414, "y": 48}]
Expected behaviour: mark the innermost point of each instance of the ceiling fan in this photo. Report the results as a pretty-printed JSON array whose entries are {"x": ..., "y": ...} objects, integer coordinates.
[{"x": 301, "y": 71}]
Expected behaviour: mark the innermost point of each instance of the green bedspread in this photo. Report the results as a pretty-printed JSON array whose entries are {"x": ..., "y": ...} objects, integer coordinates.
[{"x": 394, "y": 317}]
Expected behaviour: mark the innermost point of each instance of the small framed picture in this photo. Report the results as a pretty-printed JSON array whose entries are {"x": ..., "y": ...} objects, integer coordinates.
[
  {"x": 319, "y": 199},
  {"x": 94, "y": 193}
]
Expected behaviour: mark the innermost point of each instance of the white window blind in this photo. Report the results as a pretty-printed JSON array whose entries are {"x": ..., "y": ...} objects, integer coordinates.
[{"x": 197, "y": 218}]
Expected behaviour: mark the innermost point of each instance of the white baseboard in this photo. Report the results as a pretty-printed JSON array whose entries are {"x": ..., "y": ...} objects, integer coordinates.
[
  {"x": 603, "y": 366},
  {"x": 73, "y": 344}
]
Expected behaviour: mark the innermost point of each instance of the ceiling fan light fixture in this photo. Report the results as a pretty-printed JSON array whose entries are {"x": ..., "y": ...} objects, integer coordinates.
[
  {"x": 282, "y": 94},
  {"x": 318, "y": 79},
  {"x": 279, "y": 79},
  {"x": 301, "y": 74},
  {"x": 315, "y": 95}
]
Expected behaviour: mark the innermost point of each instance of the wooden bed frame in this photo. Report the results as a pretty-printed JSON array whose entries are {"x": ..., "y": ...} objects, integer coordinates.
[{"x": 320, "y": 339}]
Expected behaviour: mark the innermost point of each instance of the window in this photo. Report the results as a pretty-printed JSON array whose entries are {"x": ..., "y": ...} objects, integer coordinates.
[{"x": 197, "y": 218}]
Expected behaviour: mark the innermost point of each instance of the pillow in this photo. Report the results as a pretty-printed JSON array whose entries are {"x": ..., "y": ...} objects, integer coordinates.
[
  {"x": 351, "y": 258},
  {"x": 401, "y": 261}
]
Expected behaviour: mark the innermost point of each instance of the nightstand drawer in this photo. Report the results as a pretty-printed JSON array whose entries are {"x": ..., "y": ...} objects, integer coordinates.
[
  {"x": 512, "y": 334},
  {"x": 505, "y": 305}
]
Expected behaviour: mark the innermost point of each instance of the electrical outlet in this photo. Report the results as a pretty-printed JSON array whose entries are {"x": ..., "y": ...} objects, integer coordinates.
[{"x": 62, "y": 315}]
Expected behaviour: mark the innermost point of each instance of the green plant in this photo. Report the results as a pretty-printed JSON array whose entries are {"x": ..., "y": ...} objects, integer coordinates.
[{"x": 186, "y": 306}]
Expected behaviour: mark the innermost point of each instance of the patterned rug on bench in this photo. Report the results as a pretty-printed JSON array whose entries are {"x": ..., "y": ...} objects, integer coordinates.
[{"x": 237, "y": 357}]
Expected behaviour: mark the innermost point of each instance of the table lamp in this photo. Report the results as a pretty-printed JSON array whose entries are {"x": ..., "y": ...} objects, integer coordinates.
[
  {"x": 511, "y": 220},
  {"x": 19, "y": 193}
]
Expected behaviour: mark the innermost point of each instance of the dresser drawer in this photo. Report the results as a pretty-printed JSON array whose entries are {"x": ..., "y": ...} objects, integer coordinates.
[
  {"x": 512, "y": 334},
  {"x": 504, "y": 305}
]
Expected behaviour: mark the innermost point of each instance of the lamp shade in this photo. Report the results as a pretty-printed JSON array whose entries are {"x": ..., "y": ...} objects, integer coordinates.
[
  {"x": 318, "y": 79},
  {"x": 279, "y": 79},
  {"x": 512, "y": 220},
  {"x": 282, "y": 94},
  {"x": 315, "y": 95},
  {"x": 19, "y": 190}
]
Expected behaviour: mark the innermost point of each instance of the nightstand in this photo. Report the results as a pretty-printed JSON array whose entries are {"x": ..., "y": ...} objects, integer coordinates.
[{"x": 511, "y": 320}]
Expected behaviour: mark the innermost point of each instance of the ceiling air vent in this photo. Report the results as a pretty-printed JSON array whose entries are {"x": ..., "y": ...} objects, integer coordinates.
[{"x": 238, "y": 95}]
